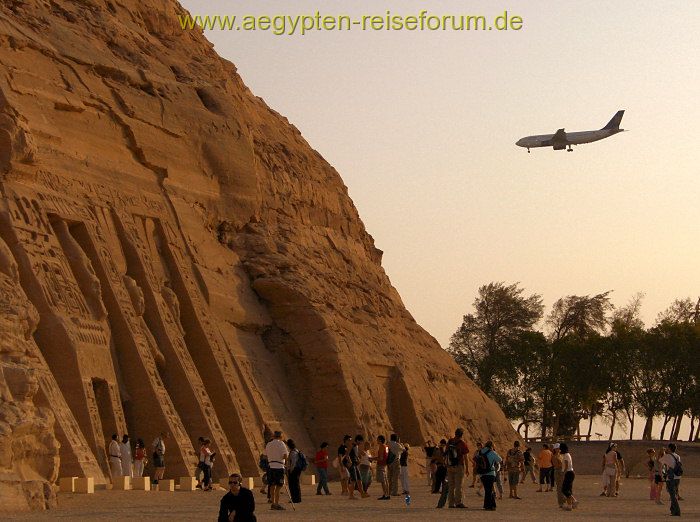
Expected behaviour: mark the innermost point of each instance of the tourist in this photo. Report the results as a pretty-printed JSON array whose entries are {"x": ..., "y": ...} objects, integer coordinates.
[
  {"x": 620, "y": 471},
  {"x": 659, "y": 475},
  {"x": 480, "y": 484},
  {"x": 343, "y": 465},
  {"x": 441, "y": 484},
  {"x": 238, "y": 505},
  {"x": 294, "y": 470},
  {"x": 355, "y": 482},
  {"x": 609, "y": 470},
  {"x": 159, "y": 457},
  {"x": 199, "y": 471},
  {"x": 457, "y": 467},
  {"x": 438, "y": 462},
  {"x": 381, "y": 474},
  {"x": 651, "y": 465},
  {"x": 321, "y": 463},
  {"x": 476, "y": 454},
  {"x": 487, "y": 462},
  {"x": 567, "y": 487},
  {"x": 528, "y": 465},
  {"x": 366, "y": 466},
  {"x": 499, "y": 479},
  {"x": 115, "y": 457},
  {"x": 393, "y": 464},
  {"x": 544, "y": 460},
  {"x": 514, "y": 467},
  {"x": 558, "y": 465},
  {"x": 403, "y": 463},
  {"x": 429, "y": 449},
  {"x": 277, "y": 453},
  {"x": 139, "y": 458},
  {"x": 672, "y": 465},
  {"x": 206, "y": 458},
  {"x": 125, "y": 448}
]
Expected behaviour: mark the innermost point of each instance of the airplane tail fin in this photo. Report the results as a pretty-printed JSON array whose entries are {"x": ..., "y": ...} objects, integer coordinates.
[{"x": 614, "y": 124}]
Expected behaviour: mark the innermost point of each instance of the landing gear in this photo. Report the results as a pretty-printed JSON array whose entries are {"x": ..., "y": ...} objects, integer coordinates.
[
  {"x": 569, "y": 149},
  {"x": 528, "y": 151}
]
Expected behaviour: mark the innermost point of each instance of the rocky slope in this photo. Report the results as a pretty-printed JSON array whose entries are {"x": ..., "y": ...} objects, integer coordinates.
[{"x": 176, "y": 258}]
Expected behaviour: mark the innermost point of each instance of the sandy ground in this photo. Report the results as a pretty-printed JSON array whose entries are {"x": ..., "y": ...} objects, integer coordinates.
[{"x": 633, "y": 503}]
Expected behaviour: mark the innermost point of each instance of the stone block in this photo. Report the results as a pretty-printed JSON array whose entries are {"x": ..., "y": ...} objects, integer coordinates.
[
  {"x": 166, "y": 485},
  {"x": 141, "y": 483},
  {"x": 85, "y": 485},
  {"x": 188, "y": 483},
  {"x": 121, "y": 484},
  {"x": 67, "y": 484}
]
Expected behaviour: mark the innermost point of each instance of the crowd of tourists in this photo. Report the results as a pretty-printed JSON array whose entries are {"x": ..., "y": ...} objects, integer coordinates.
[{"x": 448, "y": 464}]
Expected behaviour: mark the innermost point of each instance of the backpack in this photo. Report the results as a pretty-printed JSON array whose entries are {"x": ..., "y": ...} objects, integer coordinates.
[
  {"x": 391, "y": 457},
  {"x": 482, "y": 464},
  {"x": 677, "y": 470},
  {"x": 513, "y": 459},
  {"x": 263, "y": 464},
  {"x": 302, "y": 463},
  {"x": 452, "y": 453}
]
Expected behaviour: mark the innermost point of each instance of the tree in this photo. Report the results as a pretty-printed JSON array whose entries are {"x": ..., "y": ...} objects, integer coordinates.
[
  {"x": 579, "y": 315},
  {"x": 501, "y": 314},
  {"x": 681, "y": 311}
]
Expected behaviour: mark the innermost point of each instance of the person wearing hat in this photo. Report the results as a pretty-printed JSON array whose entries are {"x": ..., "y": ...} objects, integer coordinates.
[
  {"x": 558, "y": 464},
  {"x": 277, "y": 454}
]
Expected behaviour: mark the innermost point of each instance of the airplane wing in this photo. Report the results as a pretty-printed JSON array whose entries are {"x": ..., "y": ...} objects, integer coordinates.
[{"x": 559, "y": 138}]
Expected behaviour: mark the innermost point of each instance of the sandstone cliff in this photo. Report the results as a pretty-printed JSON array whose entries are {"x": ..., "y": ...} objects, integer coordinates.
[{"x": 175, "y": 257}]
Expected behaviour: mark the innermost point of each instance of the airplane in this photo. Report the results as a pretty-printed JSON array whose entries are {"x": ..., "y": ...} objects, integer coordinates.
[{"x": 564, "y": 140}]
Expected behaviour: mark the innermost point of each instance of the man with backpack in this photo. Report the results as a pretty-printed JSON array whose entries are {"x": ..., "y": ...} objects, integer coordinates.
[
  {"x": 514, "y": 467},
  {"x": 674, "y": 470},
  {"x": 457, "y": 468},
  {"x": 486, "y": 469},
  {"x": 296, "y": 464}
]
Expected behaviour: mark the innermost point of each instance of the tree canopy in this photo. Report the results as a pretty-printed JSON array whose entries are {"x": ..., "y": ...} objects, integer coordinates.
[{"x": 588, "y": 360}]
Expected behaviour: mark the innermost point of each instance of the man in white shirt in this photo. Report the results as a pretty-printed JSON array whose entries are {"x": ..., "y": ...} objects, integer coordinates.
[
  {"x": 125, "y": 448},
  {"x": 670, "y": 461},
  {"x": 394, "y": 467},
  {"x": 115, "y": 457},
  {"x": 277, "y": 453}
]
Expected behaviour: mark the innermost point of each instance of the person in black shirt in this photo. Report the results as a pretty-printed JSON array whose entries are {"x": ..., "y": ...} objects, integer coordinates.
[
  {"x": 238, "y": 505},
  {"x": 429, "y": 449},
  {"x": 528, "y": 466},
  {"x": 355, "y": 478},
  {"x": 343, "y": 464}
]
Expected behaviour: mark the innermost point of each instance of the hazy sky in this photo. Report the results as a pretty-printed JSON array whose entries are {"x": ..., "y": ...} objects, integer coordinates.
[{"x": 422, "y": 125}]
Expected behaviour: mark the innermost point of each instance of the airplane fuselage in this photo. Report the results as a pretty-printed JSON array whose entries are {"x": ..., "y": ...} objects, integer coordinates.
[
  {"x": 572, "y": 138},
  {"x": 564, "y": 140}
]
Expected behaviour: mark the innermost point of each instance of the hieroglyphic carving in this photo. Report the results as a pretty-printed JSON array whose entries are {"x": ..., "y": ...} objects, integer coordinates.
[{"x": 71, "y": 331}]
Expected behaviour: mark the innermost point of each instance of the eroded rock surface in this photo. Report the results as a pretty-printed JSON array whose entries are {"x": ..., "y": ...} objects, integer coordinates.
[{"x": 176, "y": 257}]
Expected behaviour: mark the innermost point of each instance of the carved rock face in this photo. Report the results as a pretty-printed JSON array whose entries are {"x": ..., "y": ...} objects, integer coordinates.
[{"x": 180, "y": 260}]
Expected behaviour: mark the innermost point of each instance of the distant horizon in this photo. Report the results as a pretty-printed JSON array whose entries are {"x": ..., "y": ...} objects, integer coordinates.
[{"x": 422, "y": 129}]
